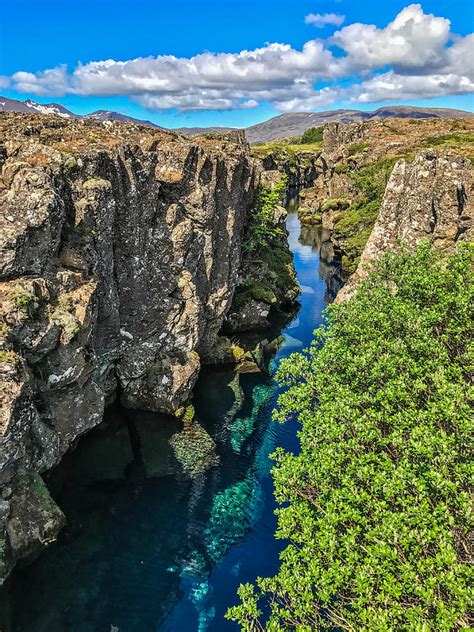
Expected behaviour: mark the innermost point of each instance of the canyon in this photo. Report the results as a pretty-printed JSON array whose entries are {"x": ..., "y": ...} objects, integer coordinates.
[
  {"x": 121, "y": 250},
  {"x": 124, "y": 271}
]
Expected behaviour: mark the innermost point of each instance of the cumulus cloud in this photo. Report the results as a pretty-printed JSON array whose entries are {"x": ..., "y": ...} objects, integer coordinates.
[
  {"x": 415, "y": 55},
  {"x": 391, "y": 86},
  {"x": 414, "y": 40},
  {"x": 54, "y": 81},
  {"x": 319, "y": 20}
]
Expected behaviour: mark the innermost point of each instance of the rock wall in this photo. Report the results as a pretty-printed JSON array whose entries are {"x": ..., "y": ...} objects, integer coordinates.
[
  {"x": 432, "y": 198},
  {"x": 120, "y": 250},
  {"x": 301, "y": 169}
]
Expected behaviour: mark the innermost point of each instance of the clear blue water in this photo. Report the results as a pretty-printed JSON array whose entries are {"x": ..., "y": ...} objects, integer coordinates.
[{"x": 147, "y": 552}]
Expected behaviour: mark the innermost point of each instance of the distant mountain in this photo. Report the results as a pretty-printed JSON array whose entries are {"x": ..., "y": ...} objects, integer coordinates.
[
  {"x": 282, "y": 126},
  {"x": 294, "y": 124},
  {"x": 31, "y": 107},
  {"x": 195, "y": 131},
  {"x": 107, "y": 115}
]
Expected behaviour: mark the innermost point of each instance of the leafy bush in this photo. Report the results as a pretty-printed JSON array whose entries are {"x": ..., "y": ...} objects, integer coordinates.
[
  {"x": 312, "y": 135},
  {"x": 261, "y": 229},
  {"x": 376, "y": 505},
  {"x": 357, "y": 148}
]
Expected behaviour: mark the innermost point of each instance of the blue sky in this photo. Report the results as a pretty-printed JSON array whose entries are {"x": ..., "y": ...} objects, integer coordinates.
[{"x": 37, "y": 35}]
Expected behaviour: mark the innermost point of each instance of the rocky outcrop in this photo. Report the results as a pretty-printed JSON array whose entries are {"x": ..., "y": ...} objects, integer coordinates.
[
  {"x": 300, "y": 169},
  {"x": 429, "y": 198},
  {"x": 120, "y": 252},
  {"x": 356, "y": 163},
  {"x": 267, "y": 288}
]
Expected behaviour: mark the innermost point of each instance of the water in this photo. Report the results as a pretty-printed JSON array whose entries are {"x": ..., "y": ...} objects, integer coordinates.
[{"x": 146, "y": 550}]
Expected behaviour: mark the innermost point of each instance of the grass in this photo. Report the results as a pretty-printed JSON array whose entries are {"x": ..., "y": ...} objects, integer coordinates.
[
  {"x": 291, "y": 148},
  {"x": 353, "y": 226},
  {"x": 21, "y": 298},
  {"x": 8, "y": 357},
  {"x": 457, "y": 141},
  {"x": 335, "y": 204},
  {"x": 357, "y": 148}
]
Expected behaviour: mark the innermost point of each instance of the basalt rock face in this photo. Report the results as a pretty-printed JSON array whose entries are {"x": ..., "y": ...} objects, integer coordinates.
[
  {"x": 429, "y": 198},
  {"x": 120, "y": 250},
  {"x": 301, "y": 170}
]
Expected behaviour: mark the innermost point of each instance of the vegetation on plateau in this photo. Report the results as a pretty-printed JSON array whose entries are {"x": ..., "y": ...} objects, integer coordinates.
[
  {"x": 456, "y": 140},
  {"x": 310, "y": 142},
  {"x": 312, "y": 135},
  {"x": 353, "y": 227},
  {"x": 376, "y": 508}
]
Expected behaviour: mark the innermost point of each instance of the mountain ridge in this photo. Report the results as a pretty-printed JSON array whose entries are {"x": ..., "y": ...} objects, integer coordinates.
[{"x": 280, "y": 126}]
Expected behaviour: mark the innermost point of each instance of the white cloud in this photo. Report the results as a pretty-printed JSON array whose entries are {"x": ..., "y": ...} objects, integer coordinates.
[
  {"x": 413, "y": 40},
  {"x": 46, "y": 82},
  {"x": 393, "y": 87},
  {"x": 247, "y": 105},
  {"x": 415, "y": 55},
  {"x": 319, "y": 20}
]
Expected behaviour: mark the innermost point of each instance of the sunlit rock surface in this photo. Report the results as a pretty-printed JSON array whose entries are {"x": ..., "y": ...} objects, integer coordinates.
[
  {"x": 120, "y": 249},
  {"x": 429, "y": 198}
]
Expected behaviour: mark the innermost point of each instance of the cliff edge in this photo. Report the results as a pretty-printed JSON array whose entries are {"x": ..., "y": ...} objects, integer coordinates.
[
  {"x": 428, "y": 198},
  {"x": 120, "y": 250}
]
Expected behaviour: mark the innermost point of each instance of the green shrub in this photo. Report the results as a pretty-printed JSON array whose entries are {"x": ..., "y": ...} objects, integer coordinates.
[
  {"x": 261, "y": 229},
  {"x": 375, "y": 508},
  {"x": 312, "y": 135},
  {"x": 357, "y": 148}
]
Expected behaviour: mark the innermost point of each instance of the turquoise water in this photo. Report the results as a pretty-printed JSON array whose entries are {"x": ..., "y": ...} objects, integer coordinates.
[{"x": 146, "y": 550}]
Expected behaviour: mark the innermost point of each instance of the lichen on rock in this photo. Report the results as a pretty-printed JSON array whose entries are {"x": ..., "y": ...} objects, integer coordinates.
[{"x": 120, "y": 251}]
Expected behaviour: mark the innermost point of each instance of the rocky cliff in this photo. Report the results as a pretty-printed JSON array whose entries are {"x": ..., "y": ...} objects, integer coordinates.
[
  {"x": 432, "y": 198},
  {"x": 120, "y": 251},
  {"x": 355, "y": 166},
  {"x": 301, "y": 170}
]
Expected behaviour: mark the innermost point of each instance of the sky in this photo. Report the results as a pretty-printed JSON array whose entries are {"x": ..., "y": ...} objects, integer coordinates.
[{"x": 236, "y": 63}]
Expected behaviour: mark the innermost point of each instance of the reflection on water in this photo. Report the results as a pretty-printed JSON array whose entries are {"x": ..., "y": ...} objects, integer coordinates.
[
  {"x": 146, "y": 548},
  {"x": 329, "y": 262}
]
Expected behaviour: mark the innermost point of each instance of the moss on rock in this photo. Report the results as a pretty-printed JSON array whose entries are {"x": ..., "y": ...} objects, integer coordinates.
[
  {"x": 97, "y": 183},
  {"x": 194, "y": 450}
]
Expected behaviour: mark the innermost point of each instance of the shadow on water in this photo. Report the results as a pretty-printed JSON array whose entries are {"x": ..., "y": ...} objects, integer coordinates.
[{"x": 146, "y": 549}]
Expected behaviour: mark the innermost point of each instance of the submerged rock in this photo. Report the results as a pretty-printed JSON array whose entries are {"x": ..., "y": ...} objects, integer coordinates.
[
  {"x": 33, "y": 520},
  {"x": 194, "y": 450},
  {"x": 173, "y": 448}
]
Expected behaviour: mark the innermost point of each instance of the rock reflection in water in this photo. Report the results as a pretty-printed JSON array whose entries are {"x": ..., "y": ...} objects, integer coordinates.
[{"x": 329, "y": 261}]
